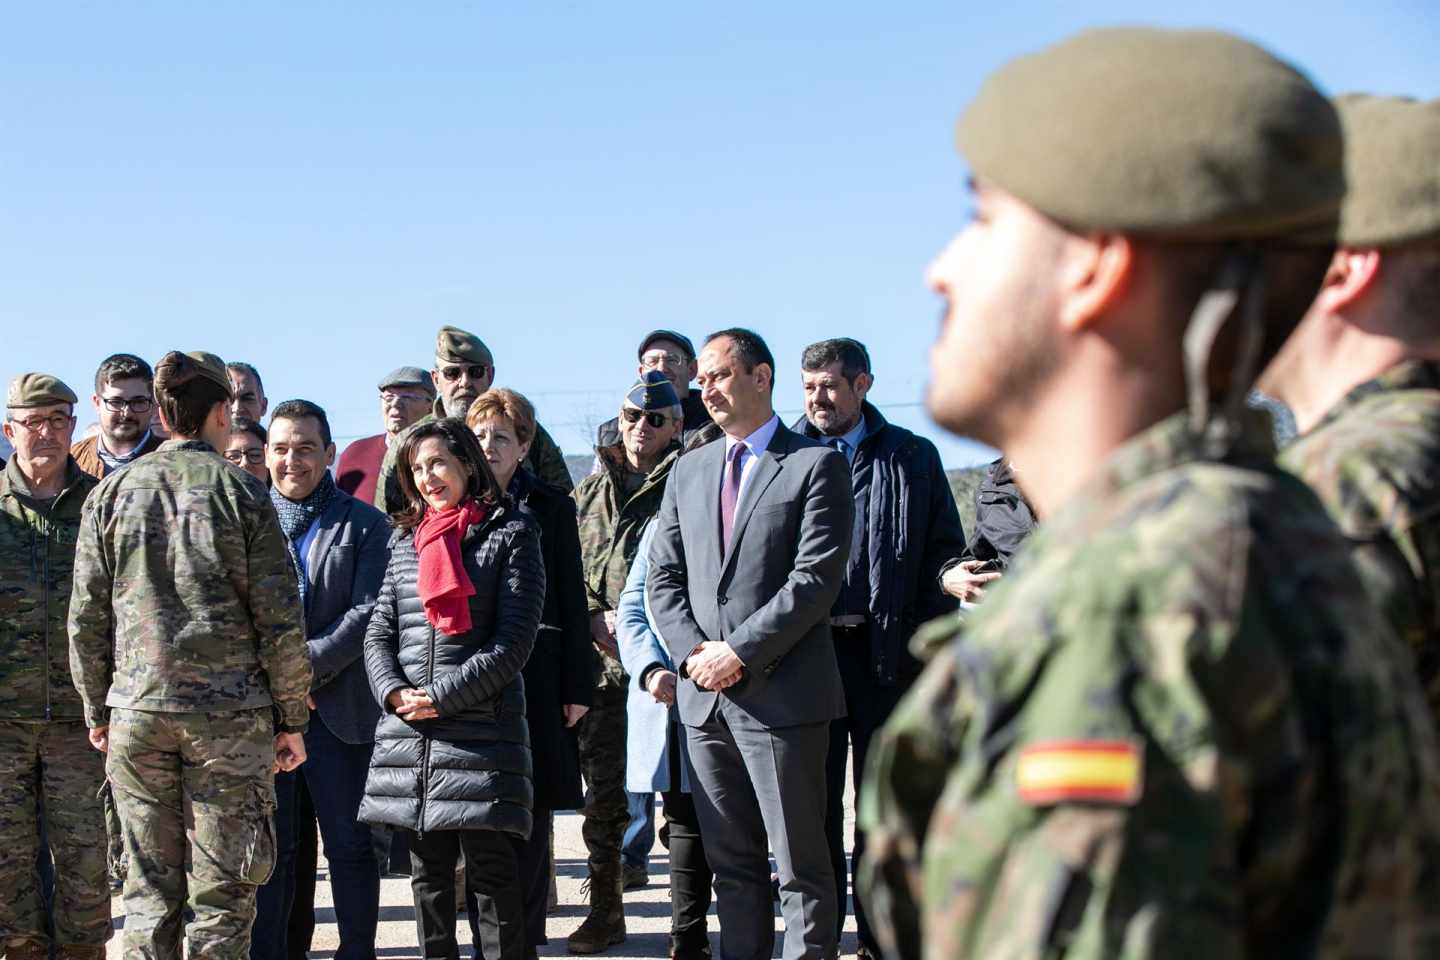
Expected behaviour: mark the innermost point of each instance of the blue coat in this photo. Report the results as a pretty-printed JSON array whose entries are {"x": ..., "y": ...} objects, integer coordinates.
[
  {"x": 344, "y": 567},
  {"x": 647, "y": 765}
]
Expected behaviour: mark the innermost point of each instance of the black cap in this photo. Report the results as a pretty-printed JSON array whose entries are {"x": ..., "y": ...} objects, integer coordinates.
[{"x": 654, "y": 335}]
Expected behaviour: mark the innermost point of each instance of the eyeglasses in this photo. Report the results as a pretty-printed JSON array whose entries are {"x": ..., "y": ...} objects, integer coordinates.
[
  {"x": 118, "y": 404},
  {"x": 652, "y": 417},
  {"x": 475, "y": 371},
  {"x": 251, "y": 456},
  {"x": 658, "y": 358},
  {"x": 57, "y": 422},
  {"x": 395, "y": 399}
]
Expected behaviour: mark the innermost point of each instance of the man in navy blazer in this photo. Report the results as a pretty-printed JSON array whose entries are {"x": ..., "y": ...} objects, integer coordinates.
[
  {"x": 749, "y": 555},
  {"x": 340, "y": 546}
]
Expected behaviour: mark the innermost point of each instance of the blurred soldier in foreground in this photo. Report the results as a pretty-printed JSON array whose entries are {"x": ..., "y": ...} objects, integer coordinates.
[
  {"x": 44, "y": 751},
  {"x": 1361, "y": 370},
  {"x": 1177, "y": 727},
  {"x": 188, "y": 647},
  {"x": 464, "y": 369}
]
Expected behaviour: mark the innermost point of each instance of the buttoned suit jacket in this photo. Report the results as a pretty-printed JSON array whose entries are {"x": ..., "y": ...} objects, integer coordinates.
[{"x": 769, "y": 595}]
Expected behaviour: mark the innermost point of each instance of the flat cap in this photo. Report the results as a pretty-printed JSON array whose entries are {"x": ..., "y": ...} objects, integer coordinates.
[
  {"x": 1392, "y": 171},
  {"x": 453, "y": 345},
  {"x": 653, "y": 392},
  {"x": 1175, "y": 134},
  {"x": 408, "y": 377},
  {"x": 671, "y": 335},
  {"x": 38, "y": 390}
]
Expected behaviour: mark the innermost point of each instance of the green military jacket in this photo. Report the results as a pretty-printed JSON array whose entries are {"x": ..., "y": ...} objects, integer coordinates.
[
  {"x": 545, "y": 461},
  {"x": 1374, "y": 459},
  {"x": 1176, "y": 729},
  {"x": 185, "y": 598},
  {"x": 37, "y": 556}
]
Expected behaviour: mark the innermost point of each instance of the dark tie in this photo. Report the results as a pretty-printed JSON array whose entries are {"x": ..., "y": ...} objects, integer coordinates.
[
  {"x": 839, "y": 444},
  {"x": 729, "y": 494}
]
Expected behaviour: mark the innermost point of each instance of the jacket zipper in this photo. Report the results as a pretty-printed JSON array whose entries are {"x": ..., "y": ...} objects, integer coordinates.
[
  {"x": 45, "y": 589},
  {"x": 425, "y": 749}
]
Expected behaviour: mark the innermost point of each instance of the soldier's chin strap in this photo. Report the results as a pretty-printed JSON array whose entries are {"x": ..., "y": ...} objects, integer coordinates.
[{"x": 1240, "y": 283}]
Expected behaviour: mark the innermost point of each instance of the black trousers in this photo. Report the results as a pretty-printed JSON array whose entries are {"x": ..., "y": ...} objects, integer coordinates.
[
  {"x": 867, "y": 705},
  {"x": 532, "y": 862},
  {"x": 307, "y": 859},
  {"x": 690, "y": 874},
  {"x": 491, "y": 875}
]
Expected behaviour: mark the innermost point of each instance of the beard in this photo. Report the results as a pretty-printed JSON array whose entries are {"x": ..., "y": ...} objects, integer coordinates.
[{"x": 125, "y": 431}]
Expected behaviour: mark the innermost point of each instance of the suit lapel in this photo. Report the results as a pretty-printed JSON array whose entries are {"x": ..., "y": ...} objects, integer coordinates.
[{"x": 766, "y": 469}]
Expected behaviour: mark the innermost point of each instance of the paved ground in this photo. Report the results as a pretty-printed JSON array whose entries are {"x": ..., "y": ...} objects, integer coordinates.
[{"x": 647, "y": 911}]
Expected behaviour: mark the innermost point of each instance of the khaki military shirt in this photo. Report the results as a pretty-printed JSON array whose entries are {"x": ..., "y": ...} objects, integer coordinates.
[{"x": 1176, "y": 729}]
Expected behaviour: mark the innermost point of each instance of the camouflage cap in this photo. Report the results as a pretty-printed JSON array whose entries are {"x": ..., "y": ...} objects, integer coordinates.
[
  {"x": 453, "y": 345},
  {"x": 408, "y": 377},
  {"x": 653, "y": 392},
  {"x": 38, "y": 390},
  {"x": 1392, "y": 169},
  {"x": 1184, "y": 135},
  {"x": 212, "y": 368}
]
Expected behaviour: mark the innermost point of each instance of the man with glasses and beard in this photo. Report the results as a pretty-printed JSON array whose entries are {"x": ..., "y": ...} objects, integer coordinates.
[
  {"x": 464, "y": 369},
  {"x": 406, "y": 395},
  {"x": 124, "y": 401}
]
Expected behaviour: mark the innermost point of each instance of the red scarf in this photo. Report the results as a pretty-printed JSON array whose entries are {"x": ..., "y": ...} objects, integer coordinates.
[{"x": 445, "y": 589}]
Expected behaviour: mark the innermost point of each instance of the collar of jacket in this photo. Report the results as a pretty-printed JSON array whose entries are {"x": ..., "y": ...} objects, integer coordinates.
[
  {"x": 1405, "y": 375},
  {"x": 182, "y": 444},
  {"x": 875, "y": 423},
  {"x": 12, "y": 481}
]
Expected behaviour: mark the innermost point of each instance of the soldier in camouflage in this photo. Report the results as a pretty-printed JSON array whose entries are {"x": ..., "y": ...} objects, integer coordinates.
[
  {"x": 464, "y": 369},
  {"x": 1177, "y": 727},
  {"x": 187, "y": 644},
  {"x": 45, "y": 754},
  {"x": 614, "y": 506},
  {"x": 1361, "y": 372}
]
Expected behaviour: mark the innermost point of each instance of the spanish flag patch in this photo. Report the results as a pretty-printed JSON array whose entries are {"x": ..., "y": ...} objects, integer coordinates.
[{"x": 1069, "y": 771}]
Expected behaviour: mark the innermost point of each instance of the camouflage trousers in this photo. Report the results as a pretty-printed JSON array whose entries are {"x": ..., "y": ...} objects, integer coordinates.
[
  {"x": 602, "y": 763},
  {"x": 53, "y": 760},
  {"x": 196, "y": 801}
]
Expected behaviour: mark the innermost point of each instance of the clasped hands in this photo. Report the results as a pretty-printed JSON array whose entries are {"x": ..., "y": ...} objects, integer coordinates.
[
  {"x": 411, "y": 704},
  {"x": 714, "y": 666}
]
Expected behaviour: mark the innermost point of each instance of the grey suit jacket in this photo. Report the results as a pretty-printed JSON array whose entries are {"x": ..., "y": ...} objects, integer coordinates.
[
  {"x": 344, "y": 568},
  {"x": 770, "y": 594}
]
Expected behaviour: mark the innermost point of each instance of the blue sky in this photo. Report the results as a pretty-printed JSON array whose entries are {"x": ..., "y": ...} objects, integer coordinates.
[{"x": 316, "y": 187}]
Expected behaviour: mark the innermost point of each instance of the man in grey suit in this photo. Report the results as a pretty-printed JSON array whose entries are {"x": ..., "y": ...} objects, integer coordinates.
[
  {"x": 749, "y": 555},
  {"x": 339, "y": 545}
]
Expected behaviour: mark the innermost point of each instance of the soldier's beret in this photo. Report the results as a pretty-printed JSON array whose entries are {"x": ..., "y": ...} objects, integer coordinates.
[
  {"x": 1184, "y": 135},
  {"x": 453, "y": 345},
  {"x": 671, "y": 335},
  {"x": 212, "y": 368},
  {"x": 408, "y": 377},
  {"x": 653, "y": 392},
  {"x": 38, "y": 390},
  {"x": 1392, "y": 169}
]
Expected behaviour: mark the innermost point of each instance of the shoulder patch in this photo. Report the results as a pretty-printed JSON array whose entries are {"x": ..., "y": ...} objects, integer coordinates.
[{"x": 1087, "y": 771}]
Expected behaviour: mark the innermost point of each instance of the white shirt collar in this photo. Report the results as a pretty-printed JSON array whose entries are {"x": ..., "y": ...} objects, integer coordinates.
[{"x": 757, "y": 442}]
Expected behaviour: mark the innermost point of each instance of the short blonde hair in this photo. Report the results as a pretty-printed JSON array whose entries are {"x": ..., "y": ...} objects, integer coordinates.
[{"x": 503, "y": 402}]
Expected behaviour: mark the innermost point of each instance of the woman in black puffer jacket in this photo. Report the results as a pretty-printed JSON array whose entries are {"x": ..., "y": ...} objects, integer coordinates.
[{"x": 453, "y": 626}]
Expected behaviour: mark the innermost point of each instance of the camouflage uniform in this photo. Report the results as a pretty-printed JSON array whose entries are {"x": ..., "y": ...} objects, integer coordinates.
[
  {"x": 1201, "y": 621},
  {"x": 187, "y": 638},
  {"x": 613, "y": 506},
  {"x": 545, "y": 461},
  {"x": 44, "y": 749}
]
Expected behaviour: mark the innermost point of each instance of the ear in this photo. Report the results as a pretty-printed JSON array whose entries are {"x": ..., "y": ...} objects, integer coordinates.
[
  {"x": 95, "y": 402},
  {"x": 264, "y": 405},
  {"x": 863, "y": 383},
  {"x": 1095, "y": 272},
  {"x": 9, "y": 430},
  {"x": 1352, "y": 273},
  {"x": 330, "y": 455},
  {"x": 765, "y": 379}
]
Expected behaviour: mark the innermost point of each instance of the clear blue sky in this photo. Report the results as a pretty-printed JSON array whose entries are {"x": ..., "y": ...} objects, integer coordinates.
[{"x": 316, "y": 187}]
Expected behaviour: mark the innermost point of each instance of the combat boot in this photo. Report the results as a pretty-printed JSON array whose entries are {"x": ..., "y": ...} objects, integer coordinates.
[{"x": 605, "y": 926}]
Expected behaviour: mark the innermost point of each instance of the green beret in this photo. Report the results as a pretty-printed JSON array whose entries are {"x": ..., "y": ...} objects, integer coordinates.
[
  {"x": 1392, "y": 169},
  {"x": 453, "y": 345},
  {"x": 38, "y": 390},
  {"x": 212, "y": 368},
  {"x": 1183, "y": 135},
  {"x": 653, "y": 392}
]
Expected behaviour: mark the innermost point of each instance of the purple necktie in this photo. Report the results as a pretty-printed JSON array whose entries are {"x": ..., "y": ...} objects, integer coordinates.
[{"x": 729, "y": 495}]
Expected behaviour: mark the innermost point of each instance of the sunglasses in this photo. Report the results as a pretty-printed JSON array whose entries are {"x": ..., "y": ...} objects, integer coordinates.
[
  {"x": 476, "y": 371},
  {"x": 654, "y": 418}
]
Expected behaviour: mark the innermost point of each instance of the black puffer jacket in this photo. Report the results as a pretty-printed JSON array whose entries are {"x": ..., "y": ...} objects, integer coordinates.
[{"x": 470, "y": 768}]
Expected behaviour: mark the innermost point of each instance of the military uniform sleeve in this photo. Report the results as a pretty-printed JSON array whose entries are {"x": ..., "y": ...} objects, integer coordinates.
[
  {"x": 547, "y": 462},
  {"x": 91, "y": 620},
  {"x": 278, "y": 618},
  {"x": 593, "y": 531}
]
